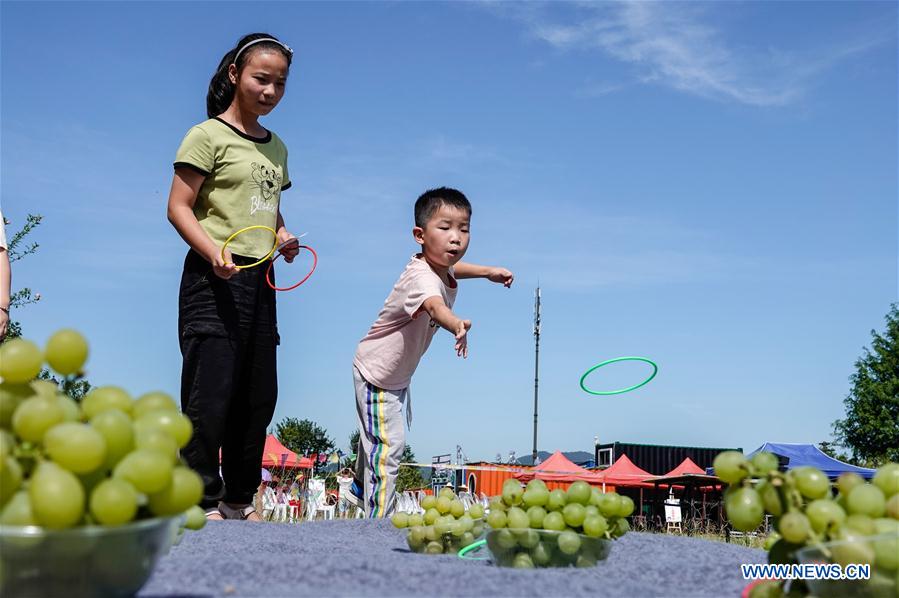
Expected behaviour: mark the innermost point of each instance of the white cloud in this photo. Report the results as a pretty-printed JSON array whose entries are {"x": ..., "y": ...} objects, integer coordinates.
[
  {"x": 442, "y": 150},
  {"x": 595, "y": 90},
  {"x": 675, "y": 45}
]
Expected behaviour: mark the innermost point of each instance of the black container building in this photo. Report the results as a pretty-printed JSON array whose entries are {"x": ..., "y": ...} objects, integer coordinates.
[{"x": 654, "y": 458}]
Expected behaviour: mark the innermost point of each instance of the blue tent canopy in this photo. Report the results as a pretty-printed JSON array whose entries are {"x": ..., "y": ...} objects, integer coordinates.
[{"x": 809, "y": 454}]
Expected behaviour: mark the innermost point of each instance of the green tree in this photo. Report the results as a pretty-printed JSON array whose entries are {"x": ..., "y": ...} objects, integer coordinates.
[
  {"x": 17, "y": 250},
  {"x": 870, "y": 429},
  {"x": 409, "y": 477},
  {"x": 303, "y": 436},
  {"x": 354, "y": 441},
  {"x": 831, "y": 449},
  {"x": 348, "y": 460},
  {"x": 75, "y": 387}
]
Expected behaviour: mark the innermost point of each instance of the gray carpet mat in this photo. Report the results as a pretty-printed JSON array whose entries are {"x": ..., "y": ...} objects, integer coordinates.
[{"x": 370, "y": 558}]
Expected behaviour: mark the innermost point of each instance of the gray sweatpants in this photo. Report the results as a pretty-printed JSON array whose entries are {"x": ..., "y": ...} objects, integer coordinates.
[{"x": 382, "y": 439}]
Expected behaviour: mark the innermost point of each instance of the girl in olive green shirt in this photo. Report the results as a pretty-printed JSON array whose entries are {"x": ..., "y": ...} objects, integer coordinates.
[{"x": 229, "y": 174}]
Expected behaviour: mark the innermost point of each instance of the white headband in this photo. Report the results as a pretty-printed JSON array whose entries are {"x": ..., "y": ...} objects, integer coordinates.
[{"x": 263, "y": 39}]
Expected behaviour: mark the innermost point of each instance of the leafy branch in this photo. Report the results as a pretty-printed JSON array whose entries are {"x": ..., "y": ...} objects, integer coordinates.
[{"x": 16, "y": 253}]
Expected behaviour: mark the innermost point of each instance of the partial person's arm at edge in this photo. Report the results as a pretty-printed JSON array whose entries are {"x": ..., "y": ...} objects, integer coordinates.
[{"x": 5, "y": 286}]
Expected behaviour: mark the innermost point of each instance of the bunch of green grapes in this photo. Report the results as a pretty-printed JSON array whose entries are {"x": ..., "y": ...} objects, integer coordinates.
[
  {"x": 106, "y": 461},
  {"x": 446, "y": 525},
  {"x": 806, "y": 512},
  {"x": 581, "y": 518}
]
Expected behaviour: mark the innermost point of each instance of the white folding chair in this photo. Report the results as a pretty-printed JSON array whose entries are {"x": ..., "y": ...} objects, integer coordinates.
[
  {"x": 411, "y": 503},
  {"x": 402, "y": 503},
  {"x": 280, "y": 511},
  {"x": 268, "y": 503},
  {"x": 316, "y": 501}
]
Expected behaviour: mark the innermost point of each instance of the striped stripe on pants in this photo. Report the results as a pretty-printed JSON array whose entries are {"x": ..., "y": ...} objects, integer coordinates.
[{"x": 382, "y": 439}]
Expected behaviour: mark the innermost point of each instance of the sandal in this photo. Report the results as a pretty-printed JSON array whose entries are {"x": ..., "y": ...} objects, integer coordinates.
[{"x": 246, "y": 512}]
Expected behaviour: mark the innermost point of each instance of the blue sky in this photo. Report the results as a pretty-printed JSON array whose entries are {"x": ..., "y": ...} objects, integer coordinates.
[{"x": 711, "y": 186}]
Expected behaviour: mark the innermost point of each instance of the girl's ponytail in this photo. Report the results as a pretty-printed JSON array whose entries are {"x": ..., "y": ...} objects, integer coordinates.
[{"x": 221, "y": 90}]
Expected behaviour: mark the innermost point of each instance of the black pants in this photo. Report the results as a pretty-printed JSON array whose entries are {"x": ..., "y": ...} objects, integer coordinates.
[{"x": 228, "y": 334}]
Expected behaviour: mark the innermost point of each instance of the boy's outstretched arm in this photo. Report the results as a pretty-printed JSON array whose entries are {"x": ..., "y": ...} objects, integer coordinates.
[
  {"x": 491, "y": 273},
  {"x": 440, "y": 313}
]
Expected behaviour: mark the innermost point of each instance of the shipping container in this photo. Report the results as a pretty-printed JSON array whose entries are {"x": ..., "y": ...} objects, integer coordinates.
[
  {"x": 654, "y": 458},
  {"x": 490, "y": 479}
]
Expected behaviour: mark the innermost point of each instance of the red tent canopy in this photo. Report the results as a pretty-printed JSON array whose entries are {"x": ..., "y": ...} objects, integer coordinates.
[
  {"x": 557, "y": 468},
  {"x": 624, "y": 473},
  {"x": 686, "y": 466},
  {"x": 687, "y": 473},
  {"x": 280, "y": 457}
]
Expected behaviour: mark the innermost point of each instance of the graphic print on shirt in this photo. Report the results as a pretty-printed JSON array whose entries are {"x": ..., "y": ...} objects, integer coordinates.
[{"x": 268, "y": 184}]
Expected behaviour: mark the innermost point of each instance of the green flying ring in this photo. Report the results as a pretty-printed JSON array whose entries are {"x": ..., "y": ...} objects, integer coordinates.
[
  {"x": 463, "y": 554},
  {"x": 655, "y": 370}
]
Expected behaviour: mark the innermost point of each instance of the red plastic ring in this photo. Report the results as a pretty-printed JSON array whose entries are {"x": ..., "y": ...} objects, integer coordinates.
[{"x": 268, "y": 272}]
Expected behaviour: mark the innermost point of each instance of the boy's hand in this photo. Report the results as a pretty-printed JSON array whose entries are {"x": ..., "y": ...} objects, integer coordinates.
[
  {"x": 501, "y": 275},
  {"x": 462, "y": 338}
]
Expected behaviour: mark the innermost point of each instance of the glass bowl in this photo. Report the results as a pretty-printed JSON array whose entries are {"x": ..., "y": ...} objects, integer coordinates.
[
  {"x": 82, "y": 561},
  {"x": 425, "y": 539},
  {"x": 879, "y": 552},
  {"x": 538, "y": 548}
]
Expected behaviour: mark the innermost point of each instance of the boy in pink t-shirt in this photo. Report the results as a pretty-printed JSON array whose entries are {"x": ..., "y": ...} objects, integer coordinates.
[{"x": 421, "y": 300}]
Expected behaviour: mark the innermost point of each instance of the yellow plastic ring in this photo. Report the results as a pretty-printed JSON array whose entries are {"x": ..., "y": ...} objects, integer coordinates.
[{"x": 267, "y": 256}]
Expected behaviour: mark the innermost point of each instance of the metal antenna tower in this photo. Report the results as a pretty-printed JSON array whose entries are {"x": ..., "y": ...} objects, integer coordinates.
[{"x": 536, "y": 364}]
